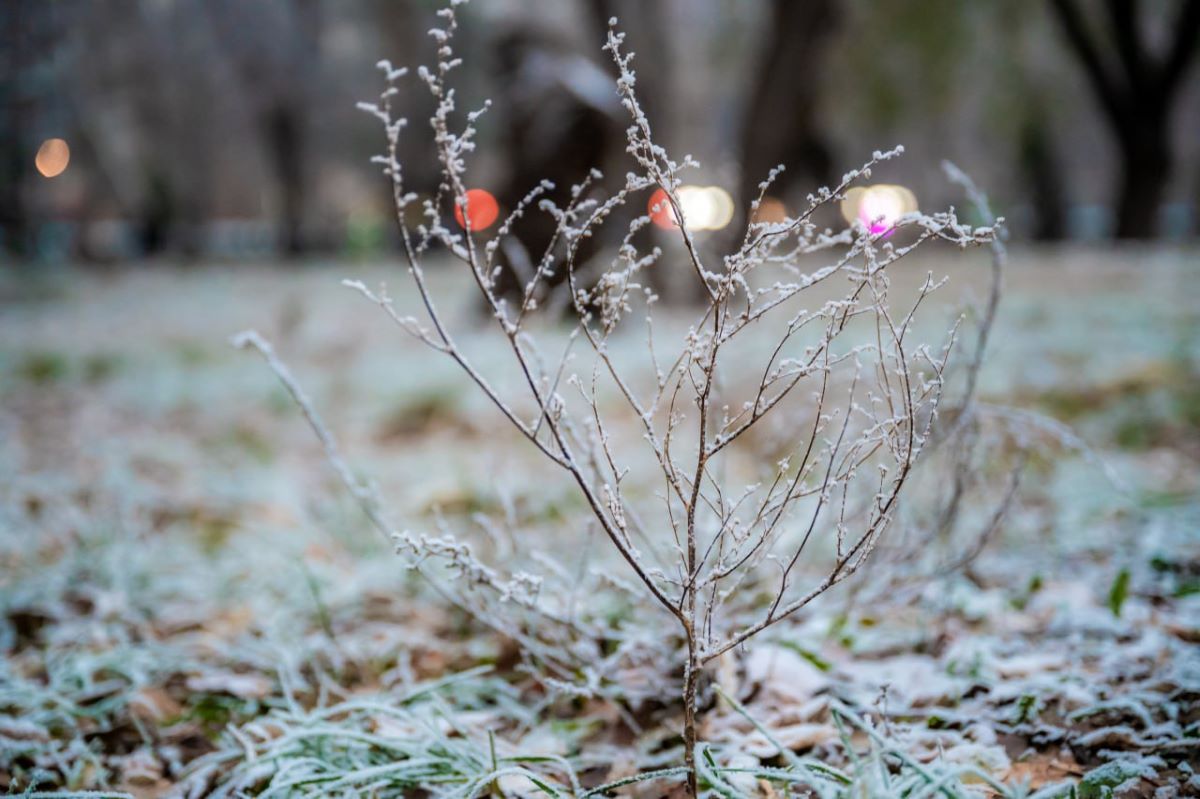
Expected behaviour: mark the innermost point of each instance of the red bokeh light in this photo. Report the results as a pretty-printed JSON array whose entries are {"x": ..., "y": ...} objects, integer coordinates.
[
  {"x": 482, "y": 209},
  {"x": 664, "y": 215}
]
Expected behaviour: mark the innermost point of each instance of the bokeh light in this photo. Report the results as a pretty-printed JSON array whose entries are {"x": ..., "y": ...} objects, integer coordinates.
[
  {"x": 878, "y": 208},
  {"x": 771, "y": 210},
  {"x": 52, "y": 158},
  {"x": 482, "y": 210},
  {"x": 704, "y": 207},
  {"x": 659, "y": 208}
]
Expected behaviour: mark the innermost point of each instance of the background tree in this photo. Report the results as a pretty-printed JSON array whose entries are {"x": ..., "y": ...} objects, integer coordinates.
[
  {"x": 561, "y": 118},
  {"x": 14, "y": 52},
  {"x": 30, "y": 34},
  {"x": 1137, "y": 90},
  {"x": 278, "y": 76},
  {"x": 781, "y": 123}
]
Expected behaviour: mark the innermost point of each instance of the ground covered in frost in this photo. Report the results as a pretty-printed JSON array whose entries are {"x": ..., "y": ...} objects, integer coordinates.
[{"x": 190, "y": 605}]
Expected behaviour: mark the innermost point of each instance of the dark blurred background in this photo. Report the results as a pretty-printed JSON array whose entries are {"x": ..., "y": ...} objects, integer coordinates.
[{"x": 228, "y": 129}]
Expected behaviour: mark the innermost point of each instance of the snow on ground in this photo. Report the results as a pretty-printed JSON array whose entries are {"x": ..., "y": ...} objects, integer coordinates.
[{"x": 190, "y": 603}]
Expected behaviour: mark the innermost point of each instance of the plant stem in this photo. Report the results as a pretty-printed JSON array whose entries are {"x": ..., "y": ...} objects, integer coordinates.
[{"x": 690, "y": 678}]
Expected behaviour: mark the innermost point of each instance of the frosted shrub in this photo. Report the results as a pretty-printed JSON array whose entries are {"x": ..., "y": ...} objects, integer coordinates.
[{"x": 721, "y": 546}]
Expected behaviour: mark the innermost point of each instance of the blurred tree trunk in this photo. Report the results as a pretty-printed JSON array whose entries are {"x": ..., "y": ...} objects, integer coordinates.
[
  {"x": 143, "y": 109},
  {"x": 16, "y": 153},
  {"x": 1137, "y": 91},
  {"x": 287, "y": 129},
  {"x": 562, "y": 119},
  {"x": 278, "y": 82},
  {"x": 553, "y": 129},
  {"x": 780, "y": 125},
  {"x": 403, "y": 27},
  {"x": 283, "y": 128},
  {"x": 1040, "y": 162},
  {"x": 645, "y": 26}
]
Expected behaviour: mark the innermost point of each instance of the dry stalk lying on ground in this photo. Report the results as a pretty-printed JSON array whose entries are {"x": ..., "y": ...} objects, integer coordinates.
[{"x": 721, "y": 559}]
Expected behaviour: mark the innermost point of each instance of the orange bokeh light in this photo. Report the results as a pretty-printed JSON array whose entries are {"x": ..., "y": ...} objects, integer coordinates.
[
  {"x": 770, "y": 210},
  {"x": 52, "y": 158},
  {"x": 662, "y": 215},
  {"x": 482, "y": 210}
]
